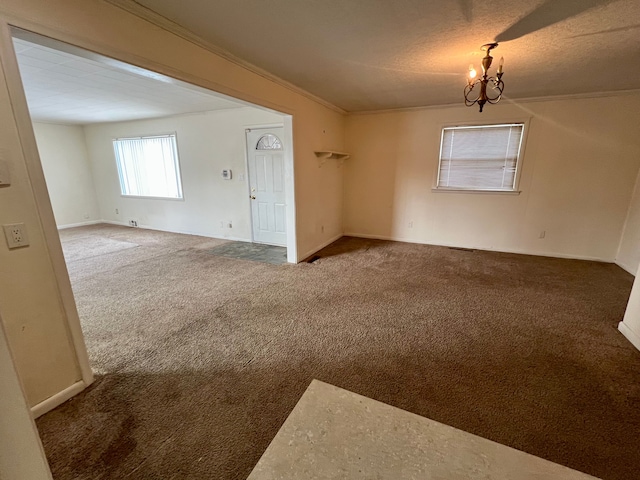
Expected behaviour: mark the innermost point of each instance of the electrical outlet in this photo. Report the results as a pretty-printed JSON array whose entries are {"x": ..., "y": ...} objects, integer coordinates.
[
  {"x": 133, "y": 223},
  {"x": 16, "y": 235},
  {"x": 117, "y": 211}
]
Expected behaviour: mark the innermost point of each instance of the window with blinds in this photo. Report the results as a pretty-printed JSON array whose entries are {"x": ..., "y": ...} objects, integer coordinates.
[
  {"x": 148, "y": 166},
  {"x": 482, "y": 157}
]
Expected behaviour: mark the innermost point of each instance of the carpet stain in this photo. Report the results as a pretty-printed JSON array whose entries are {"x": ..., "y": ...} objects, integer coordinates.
[{"x": 121, "y": 446}]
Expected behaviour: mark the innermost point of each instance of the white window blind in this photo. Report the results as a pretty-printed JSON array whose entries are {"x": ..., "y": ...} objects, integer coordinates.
[
  {"x": 148, "y": 166},
  {"x": 483, "y": 157}
]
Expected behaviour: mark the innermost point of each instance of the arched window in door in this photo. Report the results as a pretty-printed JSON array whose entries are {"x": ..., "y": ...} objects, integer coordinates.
[{"x": 269, "y": 141}]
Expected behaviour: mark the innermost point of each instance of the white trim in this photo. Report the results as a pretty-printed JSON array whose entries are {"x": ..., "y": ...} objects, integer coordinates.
[
  {"x": 46, "y": 218},
  {"x": 57, "y": 399},
  {"x": 626, "y": 267},
  {"x": 550, "y": 98},
  {"x": 81, "y": 224},
  {"x": 164, "y": 23},
  {"x": 247, "y": 178},
  {"x": 258, "y": 126},
  {"x": 290, "y": 191},
  {"x": 321, "y": 246},
  {"x": 181, "y": 232},
  {"x": 147, "y": 197},
  {"x": 484, "y": 249},
  {"x": 630, "y": 335},
  {"x": 469, "y": 190},
  {"x": 121, "y": 224},
  {"x": 624, "y": 229}
]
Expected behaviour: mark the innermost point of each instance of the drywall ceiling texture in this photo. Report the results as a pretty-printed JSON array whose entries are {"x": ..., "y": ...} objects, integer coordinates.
[
  {"x": 62, "y": 87},
  {"x": 362, "y": 55}
]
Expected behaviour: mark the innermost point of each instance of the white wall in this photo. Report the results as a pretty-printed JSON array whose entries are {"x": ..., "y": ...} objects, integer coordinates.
[
  {"x": 628, "y": 256},
  {"x": 35, "y": 295},
  {"x": 579, "y": 167},
  {"x": 207, "y": 143},
  {"x": 66, "y": 166}
]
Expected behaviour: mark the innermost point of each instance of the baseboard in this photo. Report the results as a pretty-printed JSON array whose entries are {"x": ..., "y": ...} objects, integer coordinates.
[
  {"x": 505, "y": 250},
  {"x": 113, "y": 222},
  {"x": 319, "y": 247},
  {"x": 181, "y": 232},
  {"x": 81, "y": 224},
  {"x": 627, "y": 268},
  {"x": 57, "y": 399},
  {"x": 629, "y": 334}
]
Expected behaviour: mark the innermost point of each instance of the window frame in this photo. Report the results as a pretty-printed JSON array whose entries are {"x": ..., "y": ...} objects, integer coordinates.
[
  {"x": 521, "y": 153},
  {"x": 173, "y": 134}
]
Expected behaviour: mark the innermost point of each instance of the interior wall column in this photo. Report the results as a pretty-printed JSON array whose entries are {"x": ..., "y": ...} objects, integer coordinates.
[
  {"x": 21, "y": 453},
  {"x": 630, "y": 325}
]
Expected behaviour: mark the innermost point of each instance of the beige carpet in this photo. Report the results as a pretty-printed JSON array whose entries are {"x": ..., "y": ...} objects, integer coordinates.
[{"x": 200, "y": 358}]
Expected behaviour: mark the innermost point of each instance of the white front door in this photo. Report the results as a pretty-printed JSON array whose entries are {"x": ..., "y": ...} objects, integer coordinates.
[{"x": 265, "y": 154}]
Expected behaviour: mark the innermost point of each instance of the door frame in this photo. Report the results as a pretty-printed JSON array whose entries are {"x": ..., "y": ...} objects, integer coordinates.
[
  {"x": 33, "y": 164},
  {"x": 292, "y": 255}
]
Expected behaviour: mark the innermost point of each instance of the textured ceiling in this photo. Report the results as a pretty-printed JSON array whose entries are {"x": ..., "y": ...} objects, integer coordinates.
[
  {"x": 380, "y": 54},
  {"x": 65, "y": 88}
]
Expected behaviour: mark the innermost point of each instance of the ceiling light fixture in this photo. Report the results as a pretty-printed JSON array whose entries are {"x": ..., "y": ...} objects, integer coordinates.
[{"x": 496, "y": 82}]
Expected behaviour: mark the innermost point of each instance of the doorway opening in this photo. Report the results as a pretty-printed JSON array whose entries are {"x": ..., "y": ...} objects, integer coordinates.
[
  {"x": 99, "y": 124},
  {"x": 110, "y": 101}
]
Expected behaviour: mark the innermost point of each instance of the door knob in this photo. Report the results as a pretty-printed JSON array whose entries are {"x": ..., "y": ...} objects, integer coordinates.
[{"x": 252, "y": 197}]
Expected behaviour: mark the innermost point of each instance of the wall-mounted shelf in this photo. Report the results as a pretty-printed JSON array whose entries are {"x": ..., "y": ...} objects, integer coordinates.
[{"x": 329, "y": 154}]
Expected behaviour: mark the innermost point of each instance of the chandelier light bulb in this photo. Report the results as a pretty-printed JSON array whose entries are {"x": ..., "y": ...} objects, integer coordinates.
[{"x": 476, "y": 91}]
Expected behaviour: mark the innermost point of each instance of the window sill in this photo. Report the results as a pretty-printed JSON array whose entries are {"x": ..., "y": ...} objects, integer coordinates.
[
  {"x": 173, "y": 199},
  {"x": 482, "y": 192}
]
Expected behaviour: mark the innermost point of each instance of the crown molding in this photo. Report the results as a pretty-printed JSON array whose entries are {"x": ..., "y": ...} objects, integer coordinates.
[
  {"x": 549, "y": 98},
  {"x": 140, "y": 11}
]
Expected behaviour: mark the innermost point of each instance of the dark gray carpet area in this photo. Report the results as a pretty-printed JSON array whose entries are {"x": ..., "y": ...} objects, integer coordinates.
[
  {"x": 200, "y": 358},
  {"x": 252, "y": 251}
]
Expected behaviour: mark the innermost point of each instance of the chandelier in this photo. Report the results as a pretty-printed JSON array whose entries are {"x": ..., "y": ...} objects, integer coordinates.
[{"x": 495, "y": 82}]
